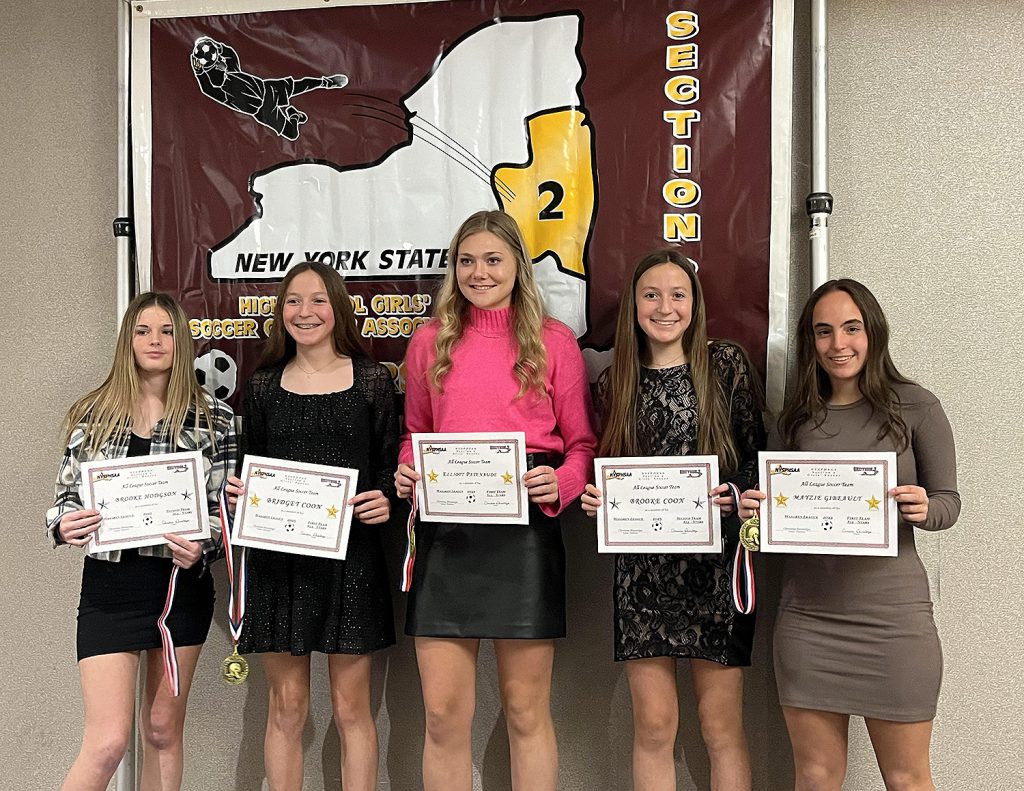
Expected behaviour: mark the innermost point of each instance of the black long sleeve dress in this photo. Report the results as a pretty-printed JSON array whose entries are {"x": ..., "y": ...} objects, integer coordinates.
[{"x": 295, "y": 603}]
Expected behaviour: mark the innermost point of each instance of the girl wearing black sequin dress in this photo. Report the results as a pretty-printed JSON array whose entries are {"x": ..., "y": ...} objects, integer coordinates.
[
  {"x": 318, "y": 398},
  {"x": 669, "y": 391}
]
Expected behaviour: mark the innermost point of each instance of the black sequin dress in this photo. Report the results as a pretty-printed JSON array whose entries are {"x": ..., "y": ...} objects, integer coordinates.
[
  {"x": 298, "y": 604},
  {"x": 681, "y": 605}
]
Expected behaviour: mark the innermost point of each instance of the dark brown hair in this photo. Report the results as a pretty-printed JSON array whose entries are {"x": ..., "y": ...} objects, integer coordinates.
[
  {"x": 280, "y": 346},
  {"x": 714, "y": 429},
  {"x": 809, "y": 400}
]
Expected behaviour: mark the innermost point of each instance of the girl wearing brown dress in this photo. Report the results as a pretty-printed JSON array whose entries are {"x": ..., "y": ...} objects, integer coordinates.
[{"x": 855, "y": 635}]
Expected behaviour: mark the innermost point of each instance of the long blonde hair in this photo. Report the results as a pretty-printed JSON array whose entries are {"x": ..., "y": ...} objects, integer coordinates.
[
  {"x": 528, "y": 314},
  {"x": 107, "y": 410},
  {"x": 714, "y": 429}
]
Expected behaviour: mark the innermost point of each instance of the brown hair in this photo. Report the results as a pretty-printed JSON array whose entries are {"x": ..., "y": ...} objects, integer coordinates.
[
  {"x": 809, "y": 400},
  {"x": 280, "y": 346},
  {"x": 528, "y": 312},
  {"x": 714, "y": 428},
  {"x": 107, "y": 410}
]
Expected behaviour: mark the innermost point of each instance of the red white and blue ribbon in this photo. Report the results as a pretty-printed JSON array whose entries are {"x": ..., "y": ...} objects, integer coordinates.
[
  {"x": 410, "y": 547},
  {"x": 167, "y": 641},
  {"x": 236, "y": 597},
  {"x": 743, "y": 594}
]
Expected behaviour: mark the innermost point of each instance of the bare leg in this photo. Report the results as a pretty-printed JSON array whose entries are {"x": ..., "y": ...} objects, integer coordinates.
[
  {"x": 288, "y": 707},
  {"x": 820, "y": 740},
  {"x": 448, "y": 677},
  {"x": 901, "y": 749},
  {"x": 350, "y": 699},
  {"x": 162, "y": 720},
  {"x": 524, "y": 673},
  {"x": 719, "y": 691},
  {"x": 652, "y": 686},
  {"x": 108, "y": 693}
]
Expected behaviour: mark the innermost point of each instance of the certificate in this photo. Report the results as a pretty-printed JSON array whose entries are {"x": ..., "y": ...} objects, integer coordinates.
[
  {"x": 658, "y": 504},
  {"x": 142, "y": 497},
  {"x": 829, "y": 503},
  {"x": 472, "y": 477},
  {"x": 293, "y": 507}
]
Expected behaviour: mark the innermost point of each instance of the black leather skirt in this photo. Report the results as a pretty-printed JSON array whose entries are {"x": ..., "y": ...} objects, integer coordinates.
[{"x": 496, "y": 581}]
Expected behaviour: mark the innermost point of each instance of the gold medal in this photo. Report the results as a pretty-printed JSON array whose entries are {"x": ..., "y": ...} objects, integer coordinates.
[
  {"x": 750, "y": 534},
  {"x": 235, "y": 669}
]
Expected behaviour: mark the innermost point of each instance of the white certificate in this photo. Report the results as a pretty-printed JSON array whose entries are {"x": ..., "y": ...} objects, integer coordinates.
[
  {"x": 142, "y": 497},
  {"x": 294, "y": 507},
  {"x": 471, "y": 477},
  {"x": 658, "y": 504},
  {"x": 829, "y": 503}
]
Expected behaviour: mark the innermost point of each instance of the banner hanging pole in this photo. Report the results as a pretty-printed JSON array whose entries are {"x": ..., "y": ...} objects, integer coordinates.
[
  {"x": 124, "y": 159},
  {"x": 819, "y": 201},
  {"x": 124, "y": 778}
]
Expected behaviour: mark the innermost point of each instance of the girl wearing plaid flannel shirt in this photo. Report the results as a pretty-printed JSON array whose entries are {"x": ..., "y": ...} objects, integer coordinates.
[{"x": 150, "y": 403}]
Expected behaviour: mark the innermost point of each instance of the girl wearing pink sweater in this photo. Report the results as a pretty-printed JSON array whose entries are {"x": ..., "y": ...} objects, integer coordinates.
[{"x": 491, "y": 361}]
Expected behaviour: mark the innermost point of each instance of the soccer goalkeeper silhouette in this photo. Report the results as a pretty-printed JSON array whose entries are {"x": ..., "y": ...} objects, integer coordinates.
[{"x": 220, "y": 76}]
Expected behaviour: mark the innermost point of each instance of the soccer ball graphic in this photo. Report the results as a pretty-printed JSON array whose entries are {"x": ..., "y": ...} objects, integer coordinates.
[
  {"x": 657, "y": 524},
  {"x": 205, "y": 53},
  {"x": 217, "y": 373},
  {"x": 826, "y": 523}
]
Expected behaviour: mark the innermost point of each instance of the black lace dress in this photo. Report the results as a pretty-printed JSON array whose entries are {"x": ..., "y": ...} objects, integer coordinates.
[
  {"x": 298, "y": 604},
  {"x": 681, "y": 605}
]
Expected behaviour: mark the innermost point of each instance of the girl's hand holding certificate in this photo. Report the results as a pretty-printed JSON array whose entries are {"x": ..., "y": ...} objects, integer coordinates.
[
  {"x": 77, "y": 527},
  {"x": 912, "y": 502},
  {"x": 542, "y": 485}
]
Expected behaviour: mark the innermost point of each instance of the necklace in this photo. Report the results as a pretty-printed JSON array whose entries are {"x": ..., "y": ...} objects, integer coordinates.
[
  {"x": 315, "y": 370},
  {"x": 669, "y": 364}
]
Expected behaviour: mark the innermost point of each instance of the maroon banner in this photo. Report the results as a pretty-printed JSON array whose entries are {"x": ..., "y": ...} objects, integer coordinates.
[{"x": 361, "y": 136}]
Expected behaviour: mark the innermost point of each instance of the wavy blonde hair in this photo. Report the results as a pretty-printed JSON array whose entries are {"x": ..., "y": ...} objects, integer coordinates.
[
  {"x": 714, "y": 425},
  {"x": 528, "y": 313},
  {"x": 107, "y": 410}
]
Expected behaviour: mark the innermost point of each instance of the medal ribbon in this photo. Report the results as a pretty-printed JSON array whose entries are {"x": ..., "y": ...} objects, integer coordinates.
[
  {"x": 167, "y": 641},
  {"x": 410, "y": 551},
  {"x": 742, "y": 567},
  {"x": 236, "y": 599}
]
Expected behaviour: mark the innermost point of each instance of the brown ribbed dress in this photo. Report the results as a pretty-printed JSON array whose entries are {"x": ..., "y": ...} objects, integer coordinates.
[{"x": 855, "y": 635}]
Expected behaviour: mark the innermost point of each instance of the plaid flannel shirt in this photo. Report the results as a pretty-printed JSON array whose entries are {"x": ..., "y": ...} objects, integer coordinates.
[{"x": 218, "y": 464}]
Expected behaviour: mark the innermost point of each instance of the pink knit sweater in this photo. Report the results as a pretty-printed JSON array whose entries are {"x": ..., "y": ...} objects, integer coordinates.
[{"x": 480, "y": 395}]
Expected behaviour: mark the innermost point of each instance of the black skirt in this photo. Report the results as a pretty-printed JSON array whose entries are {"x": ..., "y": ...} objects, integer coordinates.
[
  {"x": 496, "y": 581},
  {"x": 120, "y": 604}
]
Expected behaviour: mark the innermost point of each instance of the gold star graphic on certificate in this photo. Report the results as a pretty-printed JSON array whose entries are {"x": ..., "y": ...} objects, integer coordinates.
[
  {"x": 780, "y": 500},
  {"x": 507, "y": 477},
  {"x": 254, "y": 500},
  {"x": 433, "y": 476},
  {"x": 873, "y": 503},
  {"x": 332, "y": 512}
]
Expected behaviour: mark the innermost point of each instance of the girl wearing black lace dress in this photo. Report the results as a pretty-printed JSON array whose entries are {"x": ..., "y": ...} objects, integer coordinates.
[
  {"x": 669, "y": 391},
  {"x": 317, "y": 398}
]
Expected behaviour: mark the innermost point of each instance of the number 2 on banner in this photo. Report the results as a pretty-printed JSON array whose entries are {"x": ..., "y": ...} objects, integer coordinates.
[{"x": 552, "y": 210}]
